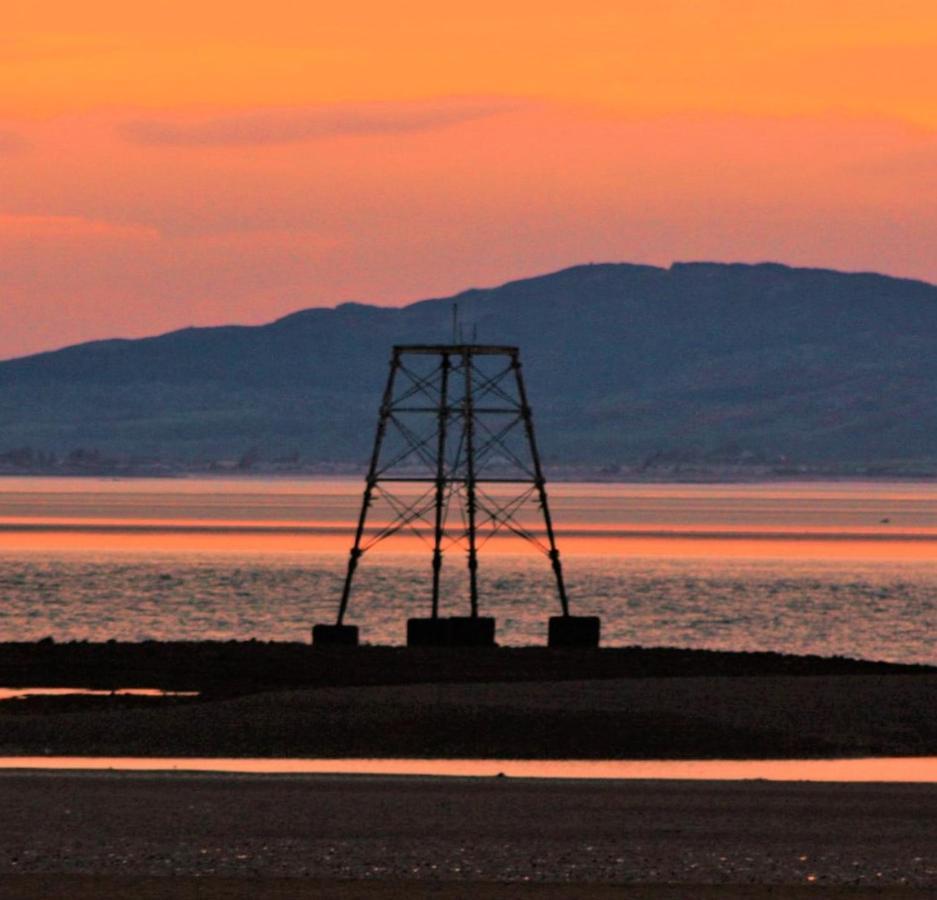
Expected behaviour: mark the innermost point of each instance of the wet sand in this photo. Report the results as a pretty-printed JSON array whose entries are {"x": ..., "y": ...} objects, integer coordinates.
[
  {"x": 613, "y": 718},
  {"x": 384, "y": 837},
  {"x": 280, "y": 700}
]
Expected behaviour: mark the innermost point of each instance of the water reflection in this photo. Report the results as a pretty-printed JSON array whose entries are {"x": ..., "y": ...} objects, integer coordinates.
[
  {"x": 889, "y": 769},
  {"x": 22, "y": 693},
  {"x": 801, "y": 568}
]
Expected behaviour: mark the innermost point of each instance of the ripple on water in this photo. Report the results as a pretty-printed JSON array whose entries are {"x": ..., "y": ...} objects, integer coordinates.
[{"x": 878, "y": 610}]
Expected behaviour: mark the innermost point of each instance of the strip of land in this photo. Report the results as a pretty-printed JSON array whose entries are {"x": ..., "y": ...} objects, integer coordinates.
[
  {"x": 652, "y": 718},
  {"x": 236, "y": 667},
  {"x": 293, "y": 701}
]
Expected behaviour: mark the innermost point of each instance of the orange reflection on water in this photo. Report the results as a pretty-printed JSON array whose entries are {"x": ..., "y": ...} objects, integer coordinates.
[
  {"x": 885, "y": 769},
  {"x": 243, "y": 537},
  {"x": 21, "y": 693},
  {"x": 242, "y": 516},
  {"x": 806, "y": 547},
  {"x": 156, "y": 540}
]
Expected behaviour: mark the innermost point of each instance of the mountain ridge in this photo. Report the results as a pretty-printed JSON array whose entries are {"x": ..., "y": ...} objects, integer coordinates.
[
  {"x": 470, "y": 293},
  {"x": 699, "y": 360}
]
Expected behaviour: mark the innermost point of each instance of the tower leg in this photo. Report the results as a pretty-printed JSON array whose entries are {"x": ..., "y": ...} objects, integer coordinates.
[
  {"x": 434, "y": 631},
  {"x": 468, "y": 411},
  {"x": 340, "y": 631},
  {"x": 442, "y": 426},
  {"x": 540, "y": 484}
]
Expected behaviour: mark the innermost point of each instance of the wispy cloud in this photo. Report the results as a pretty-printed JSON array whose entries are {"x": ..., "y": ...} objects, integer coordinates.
[
  {"x": 286, "y": 125},
  {"x": 33, "y": 227}
]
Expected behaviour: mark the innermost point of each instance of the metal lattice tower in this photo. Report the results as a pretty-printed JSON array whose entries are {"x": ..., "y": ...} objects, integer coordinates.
[{"x": 454, "y": 418}]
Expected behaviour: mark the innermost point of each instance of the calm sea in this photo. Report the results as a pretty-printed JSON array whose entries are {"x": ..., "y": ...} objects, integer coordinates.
[{"x": 829, "y": 568}]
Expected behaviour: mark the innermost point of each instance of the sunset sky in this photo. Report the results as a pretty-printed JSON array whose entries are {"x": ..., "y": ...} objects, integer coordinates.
[{"x": 208, "y": 162}]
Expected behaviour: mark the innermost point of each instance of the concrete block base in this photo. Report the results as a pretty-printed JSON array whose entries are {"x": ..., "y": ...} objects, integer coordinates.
[
  {"x": 471, "y": 631},
  {"x": 428, "y": 632},
  {"x": 574, "y": 631},
  {"x": 334, "y": 635}
]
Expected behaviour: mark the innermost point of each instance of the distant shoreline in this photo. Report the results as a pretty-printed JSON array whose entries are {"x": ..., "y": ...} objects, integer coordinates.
[{"x": 558, "y": 475}]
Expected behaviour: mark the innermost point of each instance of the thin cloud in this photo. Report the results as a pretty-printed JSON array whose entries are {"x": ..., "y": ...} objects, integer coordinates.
[
  {"x": 294, "y": 124},
  {"x": 52, "y": 227}
]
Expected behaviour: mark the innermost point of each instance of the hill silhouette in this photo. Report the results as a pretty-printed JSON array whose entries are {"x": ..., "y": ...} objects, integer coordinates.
[{"x": 624, "y": 363}]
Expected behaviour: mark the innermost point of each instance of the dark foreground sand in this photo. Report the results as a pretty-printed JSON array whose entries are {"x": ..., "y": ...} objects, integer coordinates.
[
  {"x": 84, "y": 835},
  {"x": 239, "y": 667},
  {"x": 89, "y": 887},
  {"x": 448, "y": 836},
  {"x": 611, "y": 718},
  {"x": 275, "y": 699}
]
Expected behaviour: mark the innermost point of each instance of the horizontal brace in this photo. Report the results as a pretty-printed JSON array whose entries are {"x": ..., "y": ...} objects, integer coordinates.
[
  {"x": 428, "y": 479},
  {"x": 457, "y": 410},
  {"x": 456, "y": 349}
]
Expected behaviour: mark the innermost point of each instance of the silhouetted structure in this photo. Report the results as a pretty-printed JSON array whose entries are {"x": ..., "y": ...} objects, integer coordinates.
[{"x": 455, "y": 418}]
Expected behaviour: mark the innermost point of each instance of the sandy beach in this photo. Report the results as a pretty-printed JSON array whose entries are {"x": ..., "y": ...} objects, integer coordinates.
[{"x": 445, "y": 837}]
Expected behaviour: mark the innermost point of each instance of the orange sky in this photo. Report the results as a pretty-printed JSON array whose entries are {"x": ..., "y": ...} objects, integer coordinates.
[{"x": 212, "y": 162}]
